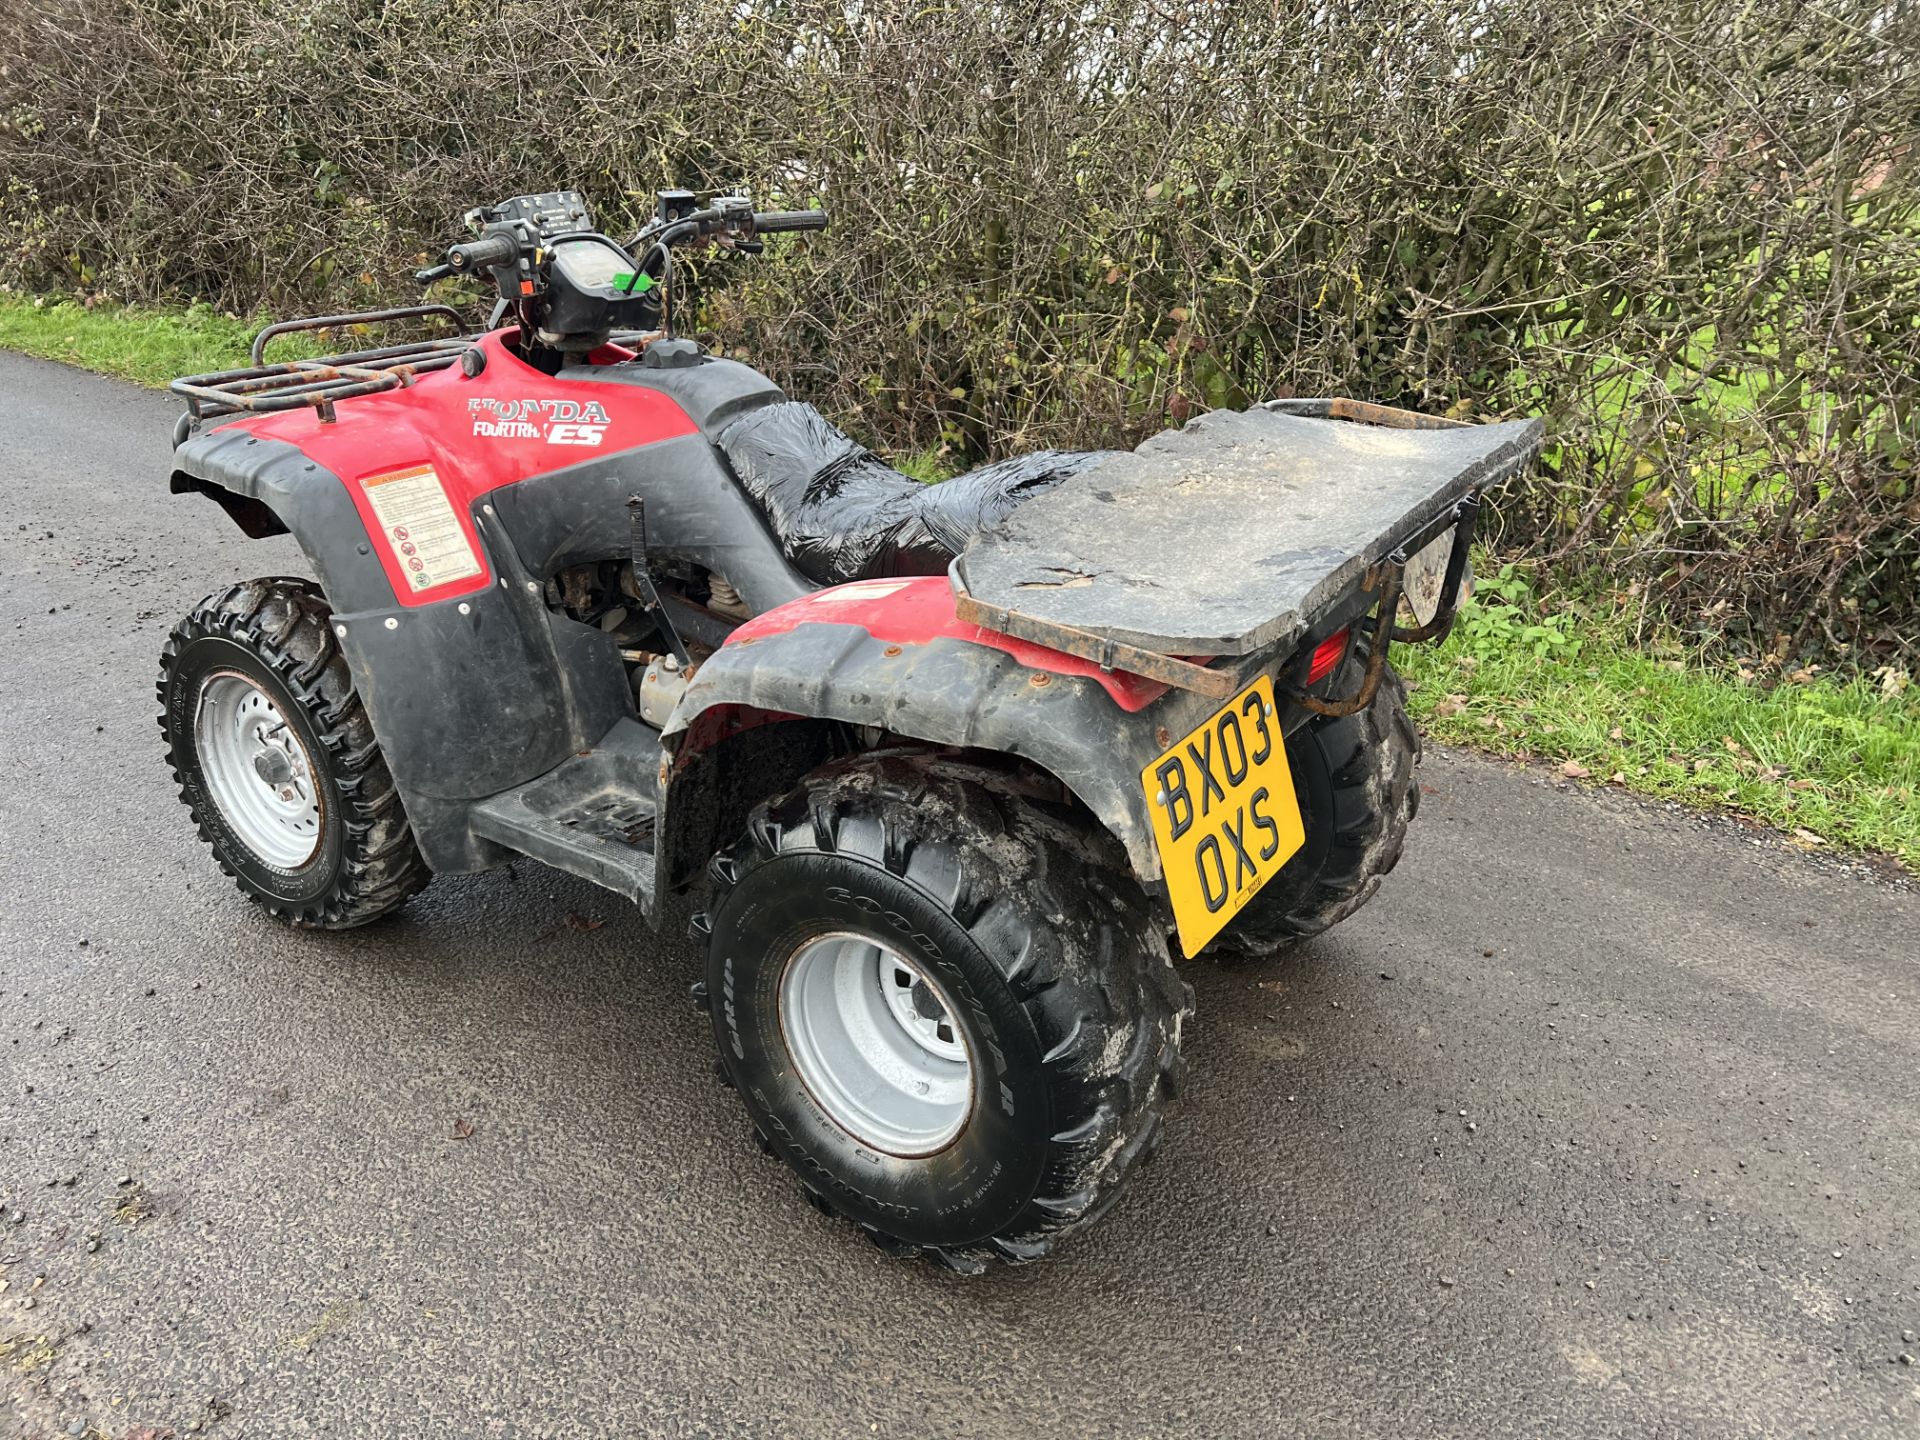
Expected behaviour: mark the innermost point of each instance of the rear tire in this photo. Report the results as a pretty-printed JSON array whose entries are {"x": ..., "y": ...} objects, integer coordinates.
[
  {"x": 1050, "y": 1019},
  {"x": 1358, "y": 791},
  {"x": 276, "y": 759}
]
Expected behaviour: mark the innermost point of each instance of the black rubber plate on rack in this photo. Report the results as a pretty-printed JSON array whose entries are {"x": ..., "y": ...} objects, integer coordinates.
[{"x": 1231, "y": 534}]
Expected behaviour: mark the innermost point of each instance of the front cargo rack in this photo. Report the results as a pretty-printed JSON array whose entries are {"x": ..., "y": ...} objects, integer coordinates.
[{"x": 317, "y": 384}]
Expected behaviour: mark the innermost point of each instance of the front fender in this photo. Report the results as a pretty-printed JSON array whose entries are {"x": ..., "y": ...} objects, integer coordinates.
[
  {"x": 271, "y": 487},
  {"x": 878, "y": 654},
  {"x": 468, "y": 695}
]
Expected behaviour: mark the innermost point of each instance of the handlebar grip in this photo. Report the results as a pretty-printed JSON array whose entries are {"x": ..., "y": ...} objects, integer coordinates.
[
  {"x": 766, "y": 222},
  {"x": 488, "y": 250}
]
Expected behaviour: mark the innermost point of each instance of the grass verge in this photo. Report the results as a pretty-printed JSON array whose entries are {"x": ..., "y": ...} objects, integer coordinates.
[
  {"x": 1832, "y": 763},
  {"x": 148, "y": 346}
]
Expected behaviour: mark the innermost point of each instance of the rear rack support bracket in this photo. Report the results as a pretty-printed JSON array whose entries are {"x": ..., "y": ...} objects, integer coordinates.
[
  {"x": 1376, "y": 656},
  {"x": 1386, "y": 631},
  {"x": 1466, "y": 516}
]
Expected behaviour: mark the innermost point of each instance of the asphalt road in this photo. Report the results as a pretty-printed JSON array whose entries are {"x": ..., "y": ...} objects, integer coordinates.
[{"x": 1599, "y": 1121}]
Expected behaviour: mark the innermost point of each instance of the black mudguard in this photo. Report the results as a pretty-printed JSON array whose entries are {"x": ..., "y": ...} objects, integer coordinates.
[
  {"x": 948, "y": 692},
  {"x": 467, "y": 697}
]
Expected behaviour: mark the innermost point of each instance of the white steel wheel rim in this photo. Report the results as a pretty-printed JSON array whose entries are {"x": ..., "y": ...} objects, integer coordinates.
[
  {"x": 257, "y": 771},
  {"x": 873, "y": 1039}
]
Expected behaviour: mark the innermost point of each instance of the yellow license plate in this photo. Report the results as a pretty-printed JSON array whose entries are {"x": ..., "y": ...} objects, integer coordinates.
[{"x": 1224, "y": 814}]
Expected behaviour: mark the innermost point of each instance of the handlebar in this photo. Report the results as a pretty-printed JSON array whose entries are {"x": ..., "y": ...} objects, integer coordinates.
[
  {"x": 499, "y": 248},
  {"x": 767, "y": 222},
  {"x": 730, "y": 217}
]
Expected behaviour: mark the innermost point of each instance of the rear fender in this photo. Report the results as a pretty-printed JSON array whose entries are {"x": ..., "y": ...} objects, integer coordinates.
[{"x": 890, "y": 654}]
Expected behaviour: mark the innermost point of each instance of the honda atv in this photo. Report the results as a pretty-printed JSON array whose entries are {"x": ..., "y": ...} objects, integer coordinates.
[{"x": 943, "y": 777}]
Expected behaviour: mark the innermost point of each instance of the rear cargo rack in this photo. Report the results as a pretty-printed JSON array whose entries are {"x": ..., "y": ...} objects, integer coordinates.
[
  {"x": 1235, "y": 534},
  {"x": 317, "y": 384}
]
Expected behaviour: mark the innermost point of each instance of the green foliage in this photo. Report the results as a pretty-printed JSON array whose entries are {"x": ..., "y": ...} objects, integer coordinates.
[
  {"x": 1504, "y": 615},
  {"x": 1831, "y": 762},
  {"x": 927, "y": 466}
]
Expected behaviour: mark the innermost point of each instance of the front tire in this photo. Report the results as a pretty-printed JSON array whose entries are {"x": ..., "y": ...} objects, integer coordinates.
[
  {"x": 947, "y": 1009},
  {"x": 276, "y": 760}
]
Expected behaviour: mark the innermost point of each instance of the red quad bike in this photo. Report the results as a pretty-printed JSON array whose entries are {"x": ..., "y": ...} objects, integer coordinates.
[{"x": 939, "y": 774}]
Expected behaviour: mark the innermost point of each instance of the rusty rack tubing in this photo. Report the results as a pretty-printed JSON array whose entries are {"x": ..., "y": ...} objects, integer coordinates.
[
  {"x": 258, "y": 355},
  {"x": 1363, "y": 412},
  {"x": 315, "y": 384},
  {"x": 1102, "y": 650},
  {"x": 1386, "y": 628},
  {"x": 1376, "y": 655}
]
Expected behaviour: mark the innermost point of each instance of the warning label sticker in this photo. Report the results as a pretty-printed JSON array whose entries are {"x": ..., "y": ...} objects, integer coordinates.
[{"x": 420, "y": 527}]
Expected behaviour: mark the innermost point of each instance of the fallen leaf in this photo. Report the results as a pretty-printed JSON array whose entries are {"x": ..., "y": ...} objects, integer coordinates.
[
  {"x": 582, "y": 923},
  {"x": 1806, "y": 839},
  {"x": 1802, "y": 785},
  {"x": 1574, "y": 770},
  {"x": 463, "y": 1129},
  {"x": 1619, "y": 777},
  {"x": 135, "y": 1206},
  {"x": 1452, "y": 705},
  {"x": 1616, "y": 733}
]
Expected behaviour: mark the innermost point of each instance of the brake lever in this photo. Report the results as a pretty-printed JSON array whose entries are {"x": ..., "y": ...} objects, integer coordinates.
[{"x": 432, "y": 273}]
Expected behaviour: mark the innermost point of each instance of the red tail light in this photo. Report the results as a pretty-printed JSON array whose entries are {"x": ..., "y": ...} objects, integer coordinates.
[{"x": 1326, "y": 656}]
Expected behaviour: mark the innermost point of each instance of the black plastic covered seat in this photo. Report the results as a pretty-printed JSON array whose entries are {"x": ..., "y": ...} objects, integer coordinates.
[{"x": 840, "y": 513}]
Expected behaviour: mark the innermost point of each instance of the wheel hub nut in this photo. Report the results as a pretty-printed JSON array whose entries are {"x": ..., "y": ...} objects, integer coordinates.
[{"x": 275, "y": 767}]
